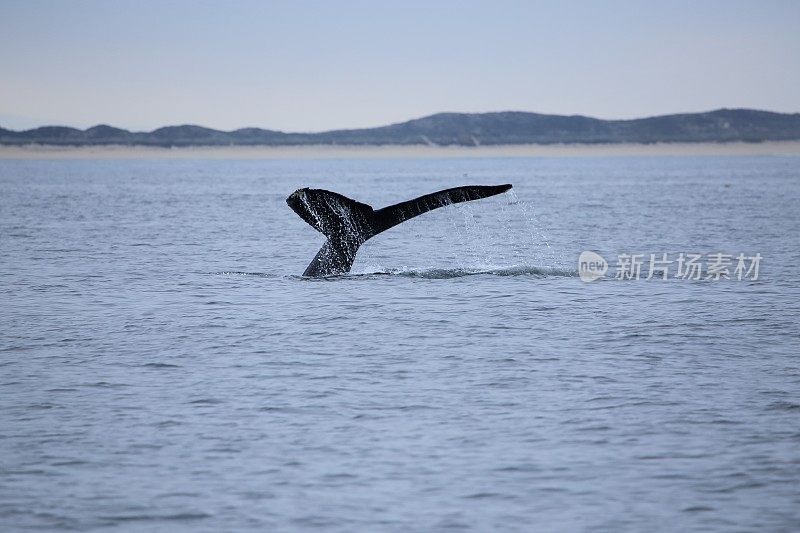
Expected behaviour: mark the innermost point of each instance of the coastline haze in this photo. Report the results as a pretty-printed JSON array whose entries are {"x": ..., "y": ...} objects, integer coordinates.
[
  {"x": 315, "y": 68},
  {"x": 449, "y": 129}
]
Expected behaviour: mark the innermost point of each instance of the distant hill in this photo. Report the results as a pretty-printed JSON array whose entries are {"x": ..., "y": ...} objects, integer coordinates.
[{"x": 464, "y": 129}]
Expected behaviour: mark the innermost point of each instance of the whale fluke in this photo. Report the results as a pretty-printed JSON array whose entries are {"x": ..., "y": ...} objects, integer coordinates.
[{"x": 348, "y": 224}]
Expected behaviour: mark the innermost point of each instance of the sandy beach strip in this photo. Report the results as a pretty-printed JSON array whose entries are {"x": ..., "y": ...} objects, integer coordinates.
[{"x": 398, "y": 151}]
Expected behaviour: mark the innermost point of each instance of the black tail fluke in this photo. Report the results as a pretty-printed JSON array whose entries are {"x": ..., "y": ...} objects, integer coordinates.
[
  {"x": 397, "y": 213},
  {"x": 330, "y": 213},
  {"x": 348, "y": 224}
]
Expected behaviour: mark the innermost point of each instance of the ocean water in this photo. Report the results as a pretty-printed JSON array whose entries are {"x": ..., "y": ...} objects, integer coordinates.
[{"x": 163, "y": 366}]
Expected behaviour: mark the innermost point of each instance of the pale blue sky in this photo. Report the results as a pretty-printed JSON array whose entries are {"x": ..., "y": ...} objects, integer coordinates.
[{"x": 308, "y": 66}]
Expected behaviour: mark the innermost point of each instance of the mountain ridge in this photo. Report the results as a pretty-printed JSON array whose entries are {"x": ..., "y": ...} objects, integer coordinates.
[{"x": 461, "y": 129}]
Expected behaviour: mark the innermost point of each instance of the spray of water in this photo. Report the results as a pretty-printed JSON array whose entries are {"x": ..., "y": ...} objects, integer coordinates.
[{"x": 501, "y": 237}]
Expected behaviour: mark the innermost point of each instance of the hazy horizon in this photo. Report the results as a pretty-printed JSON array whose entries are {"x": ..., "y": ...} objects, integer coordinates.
[
  {"x": 332, "y": 129},
  {"x": 312, "y": 66}
]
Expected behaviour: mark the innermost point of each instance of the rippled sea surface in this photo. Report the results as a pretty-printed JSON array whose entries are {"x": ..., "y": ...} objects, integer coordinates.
[{"x": 164, "y": 367}]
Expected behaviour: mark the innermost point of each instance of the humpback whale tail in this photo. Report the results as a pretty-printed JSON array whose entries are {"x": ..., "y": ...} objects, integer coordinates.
[{"x": 348, "y": 224}]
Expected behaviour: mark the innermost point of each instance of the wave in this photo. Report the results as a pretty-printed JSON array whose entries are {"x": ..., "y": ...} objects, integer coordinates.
[
  {"x": 430, "y": 273},
  {"x": 238, "y": 273},
  {"x": 449, "y": 273}
]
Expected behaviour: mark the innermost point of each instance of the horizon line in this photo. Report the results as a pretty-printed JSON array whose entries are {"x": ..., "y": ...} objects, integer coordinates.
[{"x": 480, "y": 113}]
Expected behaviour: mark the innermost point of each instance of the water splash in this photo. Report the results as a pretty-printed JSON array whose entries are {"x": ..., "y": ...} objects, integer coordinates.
[
  {"x": 445, "y": 273},
  {"x": 472, "y": 236}
]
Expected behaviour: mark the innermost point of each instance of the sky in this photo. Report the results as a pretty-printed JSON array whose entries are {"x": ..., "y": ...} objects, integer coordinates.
[{"x": 318, "y": 65}]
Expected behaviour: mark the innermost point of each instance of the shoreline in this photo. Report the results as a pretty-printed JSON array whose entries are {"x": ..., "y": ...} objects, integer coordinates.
[{"x": 36, "y": 151}]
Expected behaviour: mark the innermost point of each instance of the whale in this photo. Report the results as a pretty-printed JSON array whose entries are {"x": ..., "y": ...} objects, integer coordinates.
[{"x": 347, "y": 223}]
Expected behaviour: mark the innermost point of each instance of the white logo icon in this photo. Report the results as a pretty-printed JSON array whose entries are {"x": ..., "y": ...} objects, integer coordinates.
[{"x": 591, "y": 266}]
